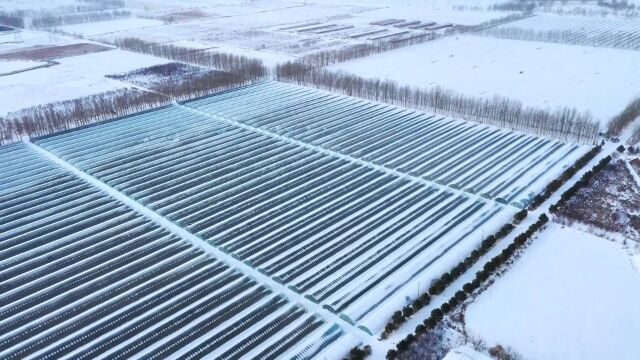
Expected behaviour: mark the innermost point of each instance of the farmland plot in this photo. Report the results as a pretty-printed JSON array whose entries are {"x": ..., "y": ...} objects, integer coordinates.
[
  {"x": 603, "y": 32},
  {"x": 71, "y": 77},
  {"x": 83, "y": 275},
  {"x": 483, "y": 160},
  {"x": 538, "y": 74},
  {"x": 348, "y": 235}
]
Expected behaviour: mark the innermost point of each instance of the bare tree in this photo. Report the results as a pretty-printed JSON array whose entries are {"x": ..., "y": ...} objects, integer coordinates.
[
  {"x": 619, "y": 122},
  {"x": 49, "y": 118},
  {"x": 250, "y": 69},
  {"x": 566, "y": 124}
]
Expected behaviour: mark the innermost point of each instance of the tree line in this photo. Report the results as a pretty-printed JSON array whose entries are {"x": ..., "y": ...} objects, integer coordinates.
[
  {"x": 440, "y": 284},
  {"x": 180, "y": 81},
  {"x": 612, "y": 39},
  {"x": 560, "y": 206},
  {"x": 49, "y": 21},
  {"x": 619, "y": 122},
  {"x": 247, "y": 68},
  {"x": 11, "y": 19},
  {"x": 563, "y": 123},
  {"x": 63, "y": 115},
  {"x": 334, "y": 56},
  {"x": 556, "y": 184},
  {"x": 490, "y": 268},
  {"x": 635, "y": 137},
  {"x": 72, "y": 13},
  {"x": 49, "y": 118}
]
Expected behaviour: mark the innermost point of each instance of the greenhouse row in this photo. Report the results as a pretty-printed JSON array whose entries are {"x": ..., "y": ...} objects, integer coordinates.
[{"x": 84, "y": 276}]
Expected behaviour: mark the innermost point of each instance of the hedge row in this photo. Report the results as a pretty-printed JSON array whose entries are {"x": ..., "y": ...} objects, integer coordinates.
[
  {"x": 358, "y": 353},
  {"x": 583, "y": 182},
  {"x": 440, "y": 284},
  {"x": 481, "y": 276},
  {"x": 566, "y": 175}
]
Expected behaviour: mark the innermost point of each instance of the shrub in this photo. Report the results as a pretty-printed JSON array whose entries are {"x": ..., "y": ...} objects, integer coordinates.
[
  {"x": 403, "y": 345},
  {"x": 358, "y": 354},
  {"x": 397, "y": 317},
  {"x": 482, "y": 275},
  {"x": 445, "y": 308},
  {"x": 391, "y": 354},
  {"x": 430, "y": 322},
  {"x": 389, "y": 328},
  {"x": 520, "y": 215},
  {"x": 425, "y": 298},
  {"x": 407, "y": 311},
  {"x": 436, "y": 314}
]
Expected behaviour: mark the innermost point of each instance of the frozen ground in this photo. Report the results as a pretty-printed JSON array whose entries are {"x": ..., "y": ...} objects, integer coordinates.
[
  {"x": 538, "y": 74},
  {"x": 74, "y": 77},
  {"x": 111, "y": 26},
  {"x": 256, "y": 28},
  {"x": 11, "y": 41},
  {"x": 557, "y": 22},
  {"x": 571, "y": 296},
  {"x": 609, "y": 204},
  {"x": 17, "y": 65}
]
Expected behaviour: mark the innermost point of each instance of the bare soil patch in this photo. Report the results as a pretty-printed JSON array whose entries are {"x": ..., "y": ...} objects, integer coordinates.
[
  {"x": 181, "y": 16},
  {"x": 610, "y": 202},
  {"x": 154, "y": 76},
  {"x": 40, "y": 52}
]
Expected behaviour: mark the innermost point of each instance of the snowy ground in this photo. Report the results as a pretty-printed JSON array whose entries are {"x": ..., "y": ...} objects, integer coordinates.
[
  {"x": 571, "y": 296},
  {"x": 17, "y": 65},
  {"x": 74, "y": 77},
  {"x": 538, "y": 74},
  {"x": 111, "y": 26},
  {"x": 256, "y": 28},
  {"x": 11, "y": 41}
]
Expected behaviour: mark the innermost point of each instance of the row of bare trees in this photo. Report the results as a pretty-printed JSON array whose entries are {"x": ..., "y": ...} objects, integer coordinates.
[
  {"x": 334, "y": 56},
  {"x": 50, "y": 118},
  {"x": 618, "y": 8},
  {"x": 613, "y": 39},
  {"x": 250, "y": 69},
  {"x": 53, "y": 20},
  {"x": 11, "y": 19},
  {"x": 565, "y": 124},
  {"x": 489, "y": 23},
  {"x": 181, "y": 81},
  {"x": 635, "y": 137},
  {"x": 87, "y": 11},
  {"x": 619, "y": 122}
]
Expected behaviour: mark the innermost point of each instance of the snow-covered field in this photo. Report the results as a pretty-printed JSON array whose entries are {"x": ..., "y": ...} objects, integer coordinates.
[
  {"x": 7, "y": 67},
  {"x": 600, "y": 32},
  {"x": 256, "y": 28},
  {"x": 74, "y": 77},
  {"x": 111, "y": 26},
  {"x": 572, "y": 296},
  {"x": 598, "y": 80},
  {"x": 588, "y": 25},
  {"x": 11, "y": 41}
]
